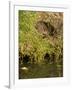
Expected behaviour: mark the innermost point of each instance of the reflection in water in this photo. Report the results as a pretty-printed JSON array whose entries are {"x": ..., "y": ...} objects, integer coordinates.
[{"x": 27, "y": 71}]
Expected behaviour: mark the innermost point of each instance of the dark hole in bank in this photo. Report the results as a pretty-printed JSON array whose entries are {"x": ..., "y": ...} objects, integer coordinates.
[
  {"x": 47, "y": 57},
  {"x": 26, "y": 59},
  {"x": 50, "y": 58}
]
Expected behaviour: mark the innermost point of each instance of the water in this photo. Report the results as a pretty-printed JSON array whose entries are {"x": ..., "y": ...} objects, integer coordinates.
[{"x": 45, "y": 70}]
